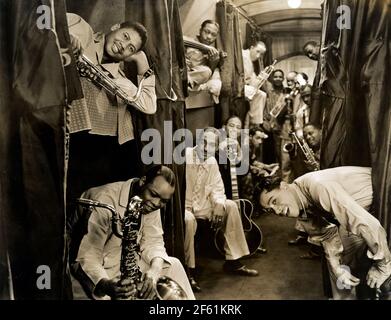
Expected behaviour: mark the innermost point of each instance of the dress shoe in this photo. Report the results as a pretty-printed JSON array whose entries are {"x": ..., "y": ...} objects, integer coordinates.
[
  {"x": 298, "y": 241},
  {"x": 194, "y": 284},
  {"x": 261, "y": 250},
  {"x": 243, "y": 271},
  {"x": 310, "y": 255}
]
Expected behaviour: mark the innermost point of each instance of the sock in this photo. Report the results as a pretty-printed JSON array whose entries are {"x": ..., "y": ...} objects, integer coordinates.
[{"x": 233, "y": 264}]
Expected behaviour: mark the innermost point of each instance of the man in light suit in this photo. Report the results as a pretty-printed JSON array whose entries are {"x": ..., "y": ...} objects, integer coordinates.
[
  {"x": 255, "y": 96},
  {"x": 98, "y": 257},
  {"x": 332, "y": 206},
  {"x": 206, "y": 200}
]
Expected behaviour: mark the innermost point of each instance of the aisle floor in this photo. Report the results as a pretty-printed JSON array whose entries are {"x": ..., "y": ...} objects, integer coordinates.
[{"x": 282, "y": 274}]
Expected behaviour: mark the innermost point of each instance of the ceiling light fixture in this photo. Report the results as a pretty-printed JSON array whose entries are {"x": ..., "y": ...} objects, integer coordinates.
[{"x": 294, "y": 4}]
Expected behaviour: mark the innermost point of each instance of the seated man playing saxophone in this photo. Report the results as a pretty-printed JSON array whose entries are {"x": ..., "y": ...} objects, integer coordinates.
[{"x": 96, "y": 251}]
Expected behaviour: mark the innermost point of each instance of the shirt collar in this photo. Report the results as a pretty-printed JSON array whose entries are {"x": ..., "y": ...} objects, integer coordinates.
[
  {"x": 196, "y": 160},
  {"x": 124, "y": 193},
  {"x": 304, "y": 202}
]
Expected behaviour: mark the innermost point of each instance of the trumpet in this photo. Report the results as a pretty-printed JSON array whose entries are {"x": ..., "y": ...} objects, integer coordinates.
[
  {"x": 305, "y": 148},
  {"x": 188, "y": 42},
  {"x": 265, "y": 74},
  {"x": 93, "y": 73},
  {"x": 281, "y": 102}
]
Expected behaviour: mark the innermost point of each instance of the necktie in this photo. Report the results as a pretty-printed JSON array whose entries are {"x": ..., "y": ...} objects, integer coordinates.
[{"x": 197, "y": 187}]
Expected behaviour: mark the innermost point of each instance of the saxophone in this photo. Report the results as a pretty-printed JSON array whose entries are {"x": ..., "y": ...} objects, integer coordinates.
[
  {"x": 93, "y": 73},
  {"x": 166, "y": 288},
  {"x": 305, "y": 148},
  {"x": 130, "y": 228}
]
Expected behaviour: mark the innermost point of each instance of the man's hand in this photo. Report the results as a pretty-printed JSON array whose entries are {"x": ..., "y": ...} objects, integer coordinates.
[
  {"x": 77, "y": 47},
  {"x": 116, "y": 289},
  {"x": 378, "y": 273},
  {"x": 217, "y": 217},
  {"x": 141, "y": 60},
  {"x": 149, "y": 279},
  {"x": 345, "y": 279},
  {"x": 213, "y": 54}
]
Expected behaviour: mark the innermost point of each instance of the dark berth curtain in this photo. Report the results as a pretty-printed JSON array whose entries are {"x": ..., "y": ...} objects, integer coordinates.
[
  {"x": 32, "y": 184},
  {"x": 355, "y": 95},
  {"x": 232, "y": 100},
  {"x": 166, "y": 52}
]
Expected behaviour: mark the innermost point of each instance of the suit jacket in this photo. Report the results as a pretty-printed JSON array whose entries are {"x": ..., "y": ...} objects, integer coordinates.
[{"x": 99, "y": 252}]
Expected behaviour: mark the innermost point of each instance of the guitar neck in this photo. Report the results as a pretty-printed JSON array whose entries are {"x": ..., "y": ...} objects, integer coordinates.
[{"x": 234, "y": 182}]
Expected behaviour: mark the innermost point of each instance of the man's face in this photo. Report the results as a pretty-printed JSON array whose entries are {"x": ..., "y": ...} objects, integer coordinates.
[
  {"x": 312, "y": 136},
  {"x": 208, "y": 34},
  {"x": 156, "y": 194},
  {"x": 257, "y": 138},
  {"x": 291, "y": 79},
  {"x": 312, "y": 52},
  {"x": 122, "y": 43},
  {"x": 306, "y": 96},
  {"x": 278, "y": 78},
  {"x": 233, "y": 127},
  {"x": 210, "y": 144},
  {"x": 280, "y": 201},
  {"x": 256, "y": 52}
]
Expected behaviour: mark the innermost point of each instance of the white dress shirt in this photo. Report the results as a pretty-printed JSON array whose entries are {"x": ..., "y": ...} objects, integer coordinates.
[
  {"x": 99, "y": 253},
  {"x": 346, "y": 193},
  {"x": 204, "y": 185}
]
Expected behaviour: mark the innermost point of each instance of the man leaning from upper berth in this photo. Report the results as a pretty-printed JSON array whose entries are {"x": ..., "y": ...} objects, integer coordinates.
[
  {"x": 203, "y": 67},
  {"x": 332, "y": 206},
  {"x": 255, "y": 96},
  {"x": 98, "y": 112}
]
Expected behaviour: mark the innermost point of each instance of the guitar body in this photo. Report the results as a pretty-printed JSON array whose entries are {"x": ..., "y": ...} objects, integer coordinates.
[{"x": 252, "y": 232}]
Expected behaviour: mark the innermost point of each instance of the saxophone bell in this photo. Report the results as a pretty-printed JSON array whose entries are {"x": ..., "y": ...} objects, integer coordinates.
[{"x": 168, "y": 289}]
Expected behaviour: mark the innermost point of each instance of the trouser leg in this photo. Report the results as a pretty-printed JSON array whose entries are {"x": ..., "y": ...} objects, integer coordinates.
[
  {"x": 235, "y": 241},
  {"x": 190, "y": 231}
]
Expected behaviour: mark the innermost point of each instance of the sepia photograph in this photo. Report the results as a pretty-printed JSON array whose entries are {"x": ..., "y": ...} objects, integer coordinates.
[{"x": 203, "y": 150}]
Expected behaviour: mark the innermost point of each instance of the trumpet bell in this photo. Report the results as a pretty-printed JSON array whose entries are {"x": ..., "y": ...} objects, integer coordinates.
[
  {"x": 168, "y": 289},
  {"x": 288, "y": 147}
]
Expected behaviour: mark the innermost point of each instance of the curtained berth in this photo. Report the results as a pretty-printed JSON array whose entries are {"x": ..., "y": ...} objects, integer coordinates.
[
  {"x": 33, "y": 102},
  {"x": 166, "y": 52},
  {"x": 354, "y": 82},
  {"x": 232, "y": 100}
]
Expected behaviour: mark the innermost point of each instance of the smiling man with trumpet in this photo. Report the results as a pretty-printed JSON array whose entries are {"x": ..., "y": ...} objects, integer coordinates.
[{"x": 99, "y": 112}]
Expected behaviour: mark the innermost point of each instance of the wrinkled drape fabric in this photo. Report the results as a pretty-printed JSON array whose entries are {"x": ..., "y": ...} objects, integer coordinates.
[
  {"x": 166, "y": 52},
  {"x": 232, "y": 101},
  {"x": 39, "y": 99},
  {"x": 355, "y": 94},
  {"x": 6, "y": 154}
]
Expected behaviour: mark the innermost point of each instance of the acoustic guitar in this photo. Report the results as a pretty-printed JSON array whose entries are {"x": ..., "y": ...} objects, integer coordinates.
[{"x": 252, "y": 232}]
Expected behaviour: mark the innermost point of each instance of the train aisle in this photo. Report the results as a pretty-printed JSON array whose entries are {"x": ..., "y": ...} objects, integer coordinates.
[{"x": 282, "y": 274}]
